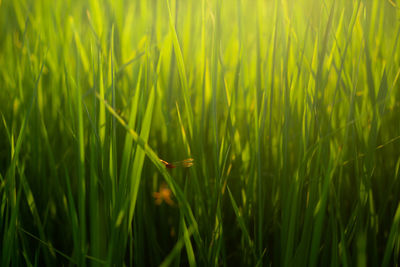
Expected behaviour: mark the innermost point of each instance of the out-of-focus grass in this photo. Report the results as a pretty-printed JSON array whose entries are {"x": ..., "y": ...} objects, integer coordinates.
[{"x": 289, "y": 109}]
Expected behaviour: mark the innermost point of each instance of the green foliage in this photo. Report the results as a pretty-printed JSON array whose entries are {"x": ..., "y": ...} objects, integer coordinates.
[{"x": 288, "y": 108}]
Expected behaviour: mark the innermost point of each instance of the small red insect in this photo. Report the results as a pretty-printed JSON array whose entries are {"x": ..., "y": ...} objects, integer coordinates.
[{"x": 184, "y": 163}]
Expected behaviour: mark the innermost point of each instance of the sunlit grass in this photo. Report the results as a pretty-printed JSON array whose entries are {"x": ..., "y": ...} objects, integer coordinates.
[{"x": 208, "y": 133}]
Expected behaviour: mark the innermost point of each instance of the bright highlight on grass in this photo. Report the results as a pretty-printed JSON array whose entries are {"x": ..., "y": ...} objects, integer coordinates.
[{"x": 284, "y": 116}]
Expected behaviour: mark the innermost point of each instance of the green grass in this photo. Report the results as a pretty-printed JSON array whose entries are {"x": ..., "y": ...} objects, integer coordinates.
[{"x": 290, "y": 110}]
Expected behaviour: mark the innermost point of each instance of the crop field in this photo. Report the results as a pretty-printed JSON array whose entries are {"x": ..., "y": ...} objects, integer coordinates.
[{"x": 200, "y": 133}]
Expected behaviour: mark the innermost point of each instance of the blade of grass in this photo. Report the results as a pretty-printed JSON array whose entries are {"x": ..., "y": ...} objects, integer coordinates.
[
  {"x": 177, "y": 249},
  {"x": 182, "y": 72}
]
